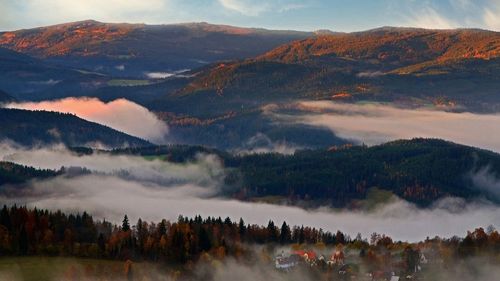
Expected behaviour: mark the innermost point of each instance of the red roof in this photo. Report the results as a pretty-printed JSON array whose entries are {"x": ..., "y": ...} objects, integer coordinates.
[{"x": 310, "y": 254}]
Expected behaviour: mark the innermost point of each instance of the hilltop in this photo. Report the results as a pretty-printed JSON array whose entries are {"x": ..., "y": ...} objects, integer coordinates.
[
  {"x": 41, "y": 127},
  {"x": 387, "y": 64},
  {"x": 137, "y": 48}
]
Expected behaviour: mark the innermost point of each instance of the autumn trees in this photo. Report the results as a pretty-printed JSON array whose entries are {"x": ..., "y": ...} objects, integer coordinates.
[{"x": 26, "y": 231}]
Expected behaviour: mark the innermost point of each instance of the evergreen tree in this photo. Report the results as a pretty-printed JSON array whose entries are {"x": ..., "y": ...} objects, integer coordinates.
[
  {"x": 125, "y": 224},
  {"x": 162, "y": 228},
  {"x": 272, "y": 232},
  {"x": 285, "y": 234},
  {"x": 242, "y": 229}
]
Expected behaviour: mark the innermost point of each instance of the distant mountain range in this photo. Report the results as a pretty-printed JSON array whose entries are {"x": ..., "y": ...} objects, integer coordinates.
[
  {"x": 134, "y": 49},
  {"x": 40, "y": 127},
  {"x": 409, "y": 66},
  {"x": 237, "y": 73},
  {"x": 453, "y": 70}
]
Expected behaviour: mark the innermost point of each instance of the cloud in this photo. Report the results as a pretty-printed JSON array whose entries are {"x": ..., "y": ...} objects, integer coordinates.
[
  {"x": 370, "y": 74},
  {"x": 159, "y": 75},
  {"x": 206, "y": 170},
  {"x": 491, "y": 18},
  {"x": 462, "y": 4},
  {"x": 335, "y": 14},
  {"x": 453, "y": 14},
  {"x": 110, "y": 197},
  {"x": 154, "y": 190},
  {"x": 375, "y": 124},
  {"x": 248, "y": 8},
  {"x": 485, "y": 180},
  {"x": 430, "y": 18},
  {"x": 163, "y": 75},
  {"x": 291, "y": 6},
  {"x": 254, "y": 8},
  {"x": 111, "y": 10},
  {"x": 120, "y": 114},
  {"x": 261, "y": 143}
]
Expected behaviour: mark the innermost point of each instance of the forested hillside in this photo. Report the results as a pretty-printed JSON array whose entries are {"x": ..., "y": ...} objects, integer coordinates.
[
  {"x": 14, "y": 173},
  {"x": 141, "y": 48},
  {"x": 40, "y": 127},
  {"x": 419, "y": 170},
  {"x": 409, "y": 66}
]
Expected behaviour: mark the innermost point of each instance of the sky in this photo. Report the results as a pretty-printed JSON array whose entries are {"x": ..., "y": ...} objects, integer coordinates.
[{"x": 307, "y": 15}]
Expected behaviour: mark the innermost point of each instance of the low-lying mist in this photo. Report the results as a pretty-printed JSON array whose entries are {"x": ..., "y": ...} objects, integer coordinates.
[
  {"x": 155, "y": 189},
  {"x": 121, "y": 114},
  {"x": 261, "y": 143},
  {"x": 207, "y": 170},
  {"x": 56, "y": 269},
  {"x": 375, "y": 124}
]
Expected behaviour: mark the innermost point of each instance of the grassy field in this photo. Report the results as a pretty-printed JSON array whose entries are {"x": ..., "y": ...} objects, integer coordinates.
[
  {"x": 57, "y": 268},
  {"x": 156, "y": 157}
]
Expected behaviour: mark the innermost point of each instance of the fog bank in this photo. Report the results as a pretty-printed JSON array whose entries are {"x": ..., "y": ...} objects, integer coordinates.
[
  {"x": 121, "y": 114},
  {"x": 375, "y": 124},
  {"x": 111, "y": 197},
  {"x": 155, "y": 189}
]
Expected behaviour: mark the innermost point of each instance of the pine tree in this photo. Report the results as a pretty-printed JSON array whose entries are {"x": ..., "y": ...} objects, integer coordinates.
[
  {"x": 272, "y": 232},
  {"x": 285, "y": 234},
  {"x": 242, "y": 229},
  {"x": 125, "y": 224},
  {"x": 162, "y": 228}
]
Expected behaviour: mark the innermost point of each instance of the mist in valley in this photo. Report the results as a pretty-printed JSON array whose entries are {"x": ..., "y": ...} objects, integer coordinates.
[
  {"x": 120, "y": 114},
  {"x": 109, "y": 185},
  {"x": 373, "y": 124},
  {"x": 157, "y": 189}
]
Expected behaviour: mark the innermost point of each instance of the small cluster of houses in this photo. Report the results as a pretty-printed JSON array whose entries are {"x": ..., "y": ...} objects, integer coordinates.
[
  {"x": 288, "y": 261},
  {"x": 336, "y": 261}
]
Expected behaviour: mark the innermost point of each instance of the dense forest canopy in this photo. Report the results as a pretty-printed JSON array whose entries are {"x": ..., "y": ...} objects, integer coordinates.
[{"x": 419, "y": 170}]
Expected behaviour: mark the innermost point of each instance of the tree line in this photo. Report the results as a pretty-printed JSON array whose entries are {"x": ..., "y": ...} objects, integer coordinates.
[{"x": 25, "y": 231}]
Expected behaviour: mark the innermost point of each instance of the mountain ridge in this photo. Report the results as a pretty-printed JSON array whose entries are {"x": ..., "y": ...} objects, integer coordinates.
[
  {"x": 96, "y": 45},
  {"x": 374, "y": 65}
]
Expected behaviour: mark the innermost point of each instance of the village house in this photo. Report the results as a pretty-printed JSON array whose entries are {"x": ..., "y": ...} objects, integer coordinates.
[
  {"x": 287, "y": 262},
  {"x": 337, "y": 258}
]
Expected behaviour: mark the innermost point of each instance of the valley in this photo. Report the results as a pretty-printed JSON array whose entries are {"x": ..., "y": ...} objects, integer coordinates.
[{"x": 243, "y": 140}]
